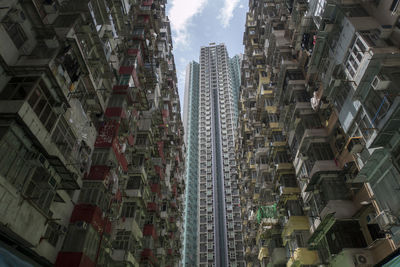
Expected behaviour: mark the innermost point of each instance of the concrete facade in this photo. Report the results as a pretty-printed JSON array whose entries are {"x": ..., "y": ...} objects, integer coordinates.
[{"x": 91, "y": 137}]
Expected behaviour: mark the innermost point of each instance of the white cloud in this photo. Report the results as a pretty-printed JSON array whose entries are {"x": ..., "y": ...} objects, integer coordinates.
[
  {"x": 180, "y": 14},
  {"x": 227, "y": 12},
  {"x": 241, "y": 6}
]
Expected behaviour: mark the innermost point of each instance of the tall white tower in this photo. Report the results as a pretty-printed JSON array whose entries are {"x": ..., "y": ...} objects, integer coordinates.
[{"x": 220, "y": 241}]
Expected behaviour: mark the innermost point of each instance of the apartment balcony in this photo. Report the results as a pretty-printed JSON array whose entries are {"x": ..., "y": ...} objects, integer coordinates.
[
  {"x": 385, "y": 125},
  {"x": 61, "y": 154},
  {"x": 295, "y": 223},
  {"x": 147, "y": 257},
  {"x": 278, "y": 145},
  {"x": 130, "y": 224},
  {"x": 278, "y": 256},
  {"x": 303, "y": 256},
  {"x": 347, "y": 234},
  {"x": 91, "y": 215},
  {"x": 308, "y": 136},
  {"x": 150, "y": 230},
  {"x": 318, "y": 51},
  {"x": 107, "y": 142},
  {"x": 350, "y": 256},
  {"x": 135, "y": 52},
  {"x": 263, "y": 253},
  {"x": 288, "y": 193},
  {"x": 274, "y": 125},
  {"x": 141, "y": 193},
  {"x": 279, "y": 30},
  {"x": 117, "y": 108},
  {"x": 319, "y": 168},
  {"x": 284, "y": 166},
  {"x": 265, "y": 92},
  {"x": 125, "y": 257}
]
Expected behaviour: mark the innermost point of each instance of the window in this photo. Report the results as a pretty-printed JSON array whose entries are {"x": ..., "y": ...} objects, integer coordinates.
[
  {"x": 52, "y": 233},
  {"x": 39, "y": 191},
  {"x": 377, "y": 105},
  {"x": 141, "y": 139},
  {"x": 13, "y": 166},
  {"x": 123, "y": 240},
  {"x": 93, "y": 195},
  {"x": 16, "y": 33},
  {"x": 63, "y": 137},
  {"x": 134, "y": 182},
  {"x": 128, "y": 209}
]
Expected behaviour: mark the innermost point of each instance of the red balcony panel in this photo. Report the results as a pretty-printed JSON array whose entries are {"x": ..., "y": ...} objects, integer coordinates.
[
  {"x": 92, "y": 215},
  {"x": 147, "y": 2},
  {"x": 135, "y": 78},
  {"x": 73, "y": 259},
  {"x": 117, "y": 148},
  {"x": 169, "y": 251},
  {"x": 124, "y": 90},
  {"x": 143, "y": 19},
  {"x": 147, "y": 254},
  {"x": 150, "y": 230},
  {"x": 156, "y": 188},
  {"x": 120, "y": 89},
  {"x": 160, "y": 146},
  {"x": 174, "y": 191},
  {"x": 173, "y": 204},
  {"x": 118, "y": 196},
  {"x": 126, "y": 70},
  {"x": 98, "y": 172},
  {"x": 152, "y": 207},
  {"x": 118, "y": 112},
  {"x": 132, "y": 52},
  {"x": 131, "y": 140},
  {"x": 165, "y": 113},
  {"x": 130, "y": 70},
  {"x": 107, "y": 133},
  {"x": 171, "y": 219},
  {"x": 160, "y": 172}
]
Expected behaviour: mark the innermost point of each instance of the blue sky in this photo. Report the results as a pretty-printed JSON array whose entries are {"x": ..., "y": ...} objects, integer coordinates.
[{"x": 197, "y": 23}]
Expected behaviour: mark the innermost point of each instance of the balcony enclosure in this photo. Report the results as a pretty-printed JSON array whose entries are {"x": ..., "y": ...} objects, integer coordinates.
[
  {"x": 294, "y": 208},
  {"x": 343, "y": 234},
  {"x": 330, "y": 188},
  {"x": 317, "y": 152}
]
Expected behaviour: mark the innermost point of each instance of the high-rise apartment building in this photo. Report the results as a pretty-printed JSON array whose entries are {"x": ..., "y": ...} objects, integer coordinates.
[
  {"x": 212, "y": 122},
  {"x": 91, "y": 137},
  {"x": 318, "y": 150},
  {"x": 234, "y": 68},
  {"x": 191, "y": 119}
]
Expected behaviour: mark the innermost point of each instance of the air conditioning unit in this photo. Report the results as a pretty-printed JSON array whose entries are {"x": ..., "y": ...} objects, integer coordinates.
[
  {"x": 357, "y": 148},
  {"x": 60, "y": 109},
  {"x": 53, "y": 182},
  {"x": 50, "y": 8},
  {"x": 361, "y": 260},
  {"x": 381, "y": 82},
  {"x": 37, "y": 159},
  {"x": 81, "y": 225},
  {"x": 385, "y": 220},
  {"x": 62, "y": 229},
  {"x": 17, "y": 15}
]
